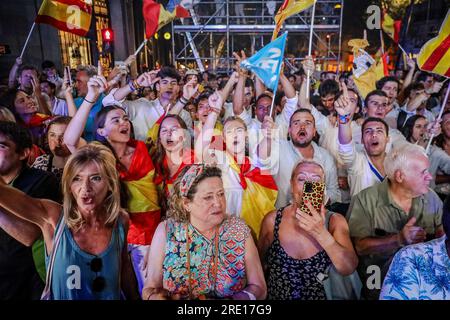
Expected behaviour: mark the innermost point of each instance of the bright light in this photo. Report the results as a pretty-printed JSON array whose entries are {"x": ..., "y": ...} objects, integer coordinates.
[
  {"x": 167, "y": 35},
  {"x": 156, "y": 36},
  {"x": 338, "y": 6}
]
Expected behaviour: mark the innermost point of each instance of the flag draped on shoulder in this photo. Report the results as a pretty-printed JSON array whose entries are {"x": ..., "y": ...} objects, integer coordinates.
[
  {"x": 435, "y": 54},
  {"x": 266, "y": 63},
  {"x": 391, "y": 27},
  {"x": 287, "y": 9},
  {"x": 72, "y": 16},
  {"x": 156, "y": 16}
]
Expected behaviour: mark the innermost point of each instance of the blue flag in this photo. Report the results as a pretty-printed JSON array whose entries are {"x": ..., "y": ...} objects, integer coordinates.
[{"x": 266, "y": 63}]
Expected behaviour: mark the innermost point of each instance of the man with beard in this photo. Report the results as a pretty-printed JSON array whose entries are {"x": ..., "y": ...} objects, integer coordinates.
[
  {"x": 19, "y": 279},
  {"x": 146, "y": 115},
  {"x": 391, "y": 86},
  {"x": 282, "y": 155},
  {"x": 399, "y": 211},
  {"x": 365, "y": 168}
]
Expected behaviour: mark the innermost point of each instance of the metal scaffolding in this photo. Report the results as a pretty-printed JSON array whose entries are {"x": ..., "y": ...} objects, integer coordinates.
[{"x": 217, "y": 28}]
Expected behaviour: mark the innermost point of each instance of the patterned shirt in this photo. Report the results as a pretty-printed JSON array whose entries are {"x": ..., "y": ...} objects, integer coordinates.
[
  {"x": 419, "y": 272},
  {"x": 231, "y": 276}
]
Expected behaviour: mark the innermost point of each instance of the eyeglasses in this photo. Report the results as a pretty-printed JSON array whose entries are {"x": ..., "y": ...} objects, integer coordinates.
[{"x": 99, "y": 283}]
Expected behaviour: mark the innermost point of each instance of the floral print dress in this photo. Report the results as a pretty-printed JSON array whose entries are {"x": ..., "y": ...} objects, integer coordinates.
[{"x": 230, "y": 276}]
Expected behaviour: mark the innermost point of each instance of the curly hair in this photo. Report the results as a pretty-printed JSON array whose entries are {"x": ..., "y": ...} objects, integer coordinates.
[{"x": 176, "y": 208}]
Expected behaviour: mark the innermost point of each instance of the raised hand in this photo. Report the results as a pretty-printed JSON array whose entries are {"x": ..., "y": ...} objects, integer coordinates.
[
  {"x": 437, "y": 86},
  {"x": 66, "y": 87},
  {"x": 434, "y": 128},
  {"x": 343, "y": 105},
  {"x": 130, "y": 60},
  {"x": 148, "y": 79},
  {"x": 96, "y": 85},
  {"x": 239, "y": 59},
  {"x": 308, "y": 65},
  {"x": 190, "y": 89},
  {"x": 215, "y": 102},
  {"x": 267, "y": 127},
  {"x": 410, "y": 63}
]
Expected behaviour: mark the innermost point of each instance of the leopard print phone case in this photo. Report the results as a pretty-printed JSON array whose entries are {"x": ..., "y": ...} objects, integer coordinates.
[{"x": 313, "y": 192}]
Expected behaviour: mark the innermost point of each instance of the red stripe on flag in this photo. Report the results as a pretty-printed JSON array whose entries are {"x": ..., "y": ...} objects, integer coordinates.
[
  {"x": 79, "y": 3},
  {"x": 181, "y": 12},
  {"x": 437, "y": 55},
  {"x": 151, "y": 11},
  {"x": 60, "y": 25},
  {"x": 397, "y": 30}
]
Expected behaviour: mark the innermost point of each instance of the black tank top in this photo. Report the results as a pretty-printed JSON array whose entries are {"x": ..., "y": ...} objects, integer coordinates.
[{"x": 292, "y": 279}]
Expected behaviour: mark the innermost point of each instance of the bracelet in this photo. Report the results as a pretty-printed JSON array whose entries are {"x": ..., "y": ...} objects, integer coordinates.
[
  {"x": 130, "y": 84},
  {"x": 136, "y": 84},
  {"x": 343, "y": 119},
  {"x": 250, "y": 295},
  {"x": 88, "y": 101},
  {"x": 183, "y": 100}
]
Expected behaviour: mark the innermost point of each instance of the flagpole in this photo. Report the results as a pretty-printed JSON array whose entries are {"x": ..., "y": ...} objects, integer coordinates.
[
  {"x": 308, "y": 76},
  {"x": 140, "y": 47},
  {"x": 444, "y": 103},
  {"x": 28, "y": 39}
]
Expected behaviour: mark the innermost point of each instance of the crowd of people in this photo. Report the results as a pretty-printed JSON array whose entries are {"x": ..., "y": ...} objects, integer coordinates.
[{"x": 181, "y": 185}]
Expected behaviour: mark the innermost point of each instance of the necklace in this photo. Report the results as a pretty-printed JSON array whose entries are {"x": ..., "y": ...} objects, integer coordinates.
[{"x": 213, "y": 267}]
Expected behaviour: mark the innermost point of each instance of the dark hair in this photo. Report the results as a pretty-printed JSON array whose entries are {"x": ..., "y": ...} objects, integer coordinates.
[
  {"x": 278, "y": 97},
  {"x": 249, "y": 83},
  {"x": 298, "y": 111},
  {"x": 48, "y": 64},
  {"x": 263, "y": 95},
  {"x": 407, "y": 129},
  {"x": 440, "y": 140},
  {"x": 169, "y": 72},
  {"x": 374, "y": 93},
  {"x": 26, "y": 67},
  {"x": 423, "y": 76},
  {"x": 17, "y": 134},
  {"x": 373, "y": 119},
  {"x": 50, "y": 84},
  {"x": 7, "y": 100},
  {"x": 328, "y": 87},
  {"x": 204, "y": 95},
  {"x": 413, "y": 86},
  {"x": 380, "y": 83}
]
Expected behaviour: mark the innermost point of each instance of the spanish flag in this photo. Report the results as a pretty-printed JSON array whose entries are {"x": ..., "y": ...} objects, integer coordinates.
[
  {"x": 72, "y": 16},
  {"x": 287, "y": 9},
  {"x": 156, "y": 16},
  {"x": 143, "y": 207},
  {"x": 435, "y": 54},
  {"x": 259, "y": 196},
  {"x": 391, "y": 27}
]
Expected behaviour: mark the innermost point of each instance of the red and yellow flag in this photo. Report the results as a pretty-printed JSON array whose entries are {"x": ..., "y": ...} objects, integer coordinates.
[
  {"x": 287, "y": 9},
  {"x": 143, "y": 207},
  {"x": 391, "y": 27},
  {"x": 435, "y": 54},
  {"x": 72, "y": 16},
  {"x": 259, "y": 196},
  {"x": 156, "y": 16}
]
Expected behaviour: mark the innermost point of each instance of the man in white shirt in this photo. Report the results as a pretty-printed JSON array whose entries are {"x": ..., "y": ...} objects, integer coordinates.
[
  {"x": 365, "y": 168},
  {"x": 144, "y": 114},
  {"x": 391, "y": 86},
  {"x": 281, "y": 156}
]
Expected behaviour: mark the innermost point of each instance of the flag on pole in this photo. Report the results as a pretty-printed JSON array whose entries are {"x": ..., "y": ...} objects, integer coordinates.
[
  {"x": 72, "y": 16},
  {"x": 287, "y": 9},
  {"x": 266, "y": 63},
  {"x": 435, "y": 54},
  {"x": 391, "y": 27},
  {"x": 187, "y": 4},
  {"x": 156, "y": 16}
]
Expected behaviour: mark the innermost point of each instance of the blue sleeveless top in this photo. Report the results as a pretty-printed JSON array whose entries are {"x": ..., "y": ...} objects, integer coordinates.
[{"x": 75, "y": 274}]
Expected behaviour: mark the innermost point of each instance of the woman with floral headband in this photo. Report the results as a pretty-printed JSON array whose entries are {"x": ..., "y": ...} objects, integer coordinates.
[{"x": 199, "y": 252}]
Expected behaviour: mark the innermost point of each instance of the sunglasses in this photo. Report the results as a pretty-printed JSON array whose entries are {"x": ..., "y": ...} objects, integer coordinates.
[{"x": 99, "y": 283}]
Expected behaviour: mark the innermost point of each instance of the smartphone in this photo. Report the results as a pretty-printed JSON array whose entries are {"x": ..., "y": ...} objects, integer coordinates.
[
  {"x": 69, "y": 74},
  {"x": 313, "y": 192}
]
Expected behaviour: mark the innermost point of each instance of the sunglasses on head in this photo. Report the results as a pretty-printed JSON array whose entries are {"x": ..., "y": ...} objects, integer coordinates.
[{"x": 99, "y": 283}]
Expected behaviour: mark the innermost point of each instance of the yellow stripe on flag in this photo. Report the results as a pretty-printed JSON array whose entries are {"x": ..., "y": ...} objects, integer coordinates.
[
  {"x": 140, "y": 192},
  {"x": 64, "y": 16},
  {"x": 287, "y": 9},
  {"x": 435, "y": 54}
]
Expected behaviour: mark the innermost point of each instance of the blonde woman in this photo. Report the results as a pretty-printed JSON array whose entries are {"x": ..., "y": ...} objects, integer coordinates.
[{"x": 88, "y": 231}]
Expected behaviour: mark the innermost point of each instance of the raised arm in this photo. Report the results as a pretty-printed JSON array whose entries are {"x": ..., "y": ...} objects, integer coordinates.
[
  {"x": 239, "y": 91},
  {"x": 23, "y": 231},
  {"x": 43, "y": 106},
  {"x": 308, "y": 65},
  {"x": 229, "y": 86},
  {"x": 96, "y": 85},
  {"x": 260, "y": 88},
  {"x": 189, "y": 90},
  {"x": 204, "y": 139},
  {"x": 37, "y": 211},
  {"x": 12, "y": 79},
  {"x": 345, "y": 110},
  {"x": 67, "y": 89}
]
